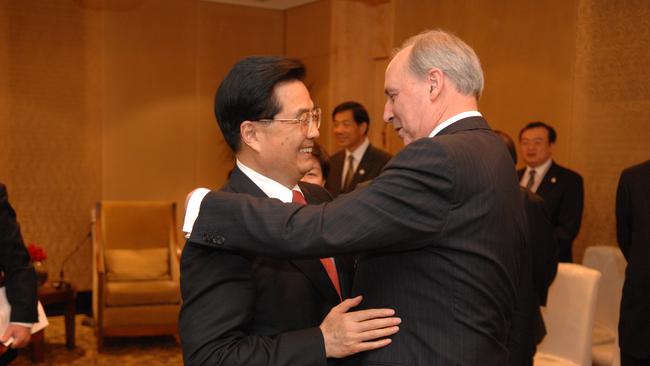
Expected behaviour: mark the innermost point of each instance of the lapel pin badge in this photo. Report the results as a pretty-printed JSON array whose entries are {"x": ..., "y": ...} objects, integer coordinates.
[
  {"x": 362, "y": 172},
  {"x": 553, "y": 180}
]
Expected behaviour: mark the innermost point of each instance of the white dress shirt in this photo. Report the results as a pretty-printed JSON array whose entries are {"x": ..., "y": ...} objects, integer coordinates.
[
  {"x": 540, "y": 172},
  {"x": 454, "y": 119},
  {"x": 270, "y": 187}
]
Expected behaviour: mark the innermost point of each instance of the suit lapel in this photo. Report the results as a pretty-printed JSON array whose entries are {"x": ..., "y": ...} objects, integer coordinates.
[
  {"x": 311, "y": 268},
  {"x": 549, "y": 181},
  {"x": 362, "y": 169}
]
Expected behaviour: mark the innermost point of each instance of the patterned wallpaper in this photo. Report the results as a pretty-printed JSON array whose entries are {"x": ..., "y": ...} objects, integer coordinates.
[
  {"x": 51, "y": 127},
  {"x": 611, "y": 117}
]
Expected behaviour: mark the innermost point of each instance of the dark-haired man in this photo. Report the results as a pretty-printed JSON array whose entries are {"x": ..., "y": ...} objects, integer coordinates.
[
  {"x": 633, "y": 234},
  {"x": 359, "y": 161},
  {"x": 560, "y": 187},
  {"x": 254, "y": 311}
]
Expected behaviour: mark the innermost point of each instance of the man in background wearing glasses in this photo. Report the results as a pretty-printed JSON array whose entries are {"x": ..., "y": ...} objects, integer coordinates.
[{"x": 247, "y": 310}]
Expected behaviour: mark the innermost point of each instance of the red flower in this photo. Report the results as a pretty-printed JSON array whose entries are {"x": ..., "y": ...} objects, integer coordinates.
[{"x": 36, "y": 253}]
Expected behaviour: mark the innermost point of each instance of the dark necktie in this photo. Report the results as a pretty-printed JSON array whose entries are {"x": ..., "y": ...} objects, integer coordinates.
[
  {"x": 531, "y": 180},
  {"x": 349, "y": 173},
  {"x": 328, "y": 263}
]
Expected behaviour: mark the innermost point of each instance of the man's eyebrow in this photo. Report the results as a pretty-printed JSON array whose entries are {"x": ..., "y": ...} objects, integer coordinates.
[
  {"x": 300, "y": 111},
  {"x": 387, "y": 91}
]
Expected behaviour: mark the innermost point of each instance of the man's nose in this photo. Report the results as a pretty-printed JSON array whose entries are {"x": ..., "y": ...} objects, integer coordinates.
[
  {"x": 313, "y": 132},
  {"x": 388, "y": 113}
]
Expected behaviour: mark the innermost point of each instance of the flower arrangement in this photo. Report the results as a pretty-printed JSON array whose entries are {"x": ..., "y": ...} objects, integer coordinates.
[{"x": 36, "y": 253}]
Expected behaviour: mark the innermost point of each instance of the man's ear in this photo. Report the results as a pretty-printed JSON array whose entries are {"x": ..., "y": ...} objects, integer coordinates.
[
  {"x": 435, "y": 79},
  {"x": 250, "y": 135}
]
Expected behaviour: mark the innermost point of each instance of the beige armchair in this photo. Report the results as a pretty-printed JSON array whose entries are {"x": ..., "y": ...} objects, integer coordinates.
[{"x": 136, "y": 289}]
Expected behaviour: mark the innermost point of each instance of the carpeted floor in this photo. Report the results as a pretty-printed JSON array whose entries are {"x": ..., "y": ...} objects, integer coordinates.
[{"x": 157, "y": 351}]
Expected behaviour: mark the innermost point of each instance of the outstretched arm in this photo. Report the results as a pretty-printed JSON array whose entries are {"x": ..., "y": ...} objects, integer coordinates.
[{"x": 401, "y": 210}]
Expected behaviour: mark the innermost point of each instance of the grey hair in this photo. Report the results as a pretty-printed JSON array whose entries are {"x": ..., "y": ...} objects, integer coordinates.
[{"x": 442, "y": 50}]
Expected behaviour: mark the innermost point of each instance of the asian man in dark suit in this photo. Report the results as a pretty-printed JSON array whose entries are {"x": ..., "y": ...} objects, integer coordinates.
[
  {"x": 633, "y": 233},
  {"x": 19, "y": 280},
  {"x": 251, "y": 310},
  {"x": 561, "y": 188},
  {"x": 359, "y": 161},
  {"x": 442, "y": 227}
]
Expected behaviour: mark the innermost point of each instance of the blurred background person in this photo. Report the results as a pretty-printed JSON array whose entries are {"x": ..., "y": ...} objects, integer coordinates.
[
  {"x": 19, "y": 280},
  {"x": 359, "y": 161},
  {"x": 561, "y": 188},
  {"x": 633, "y": 234}
]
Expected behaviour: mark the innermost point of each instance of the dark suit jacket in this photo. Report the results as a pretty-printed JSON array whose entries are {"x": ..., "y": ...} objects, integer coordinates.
[
  {"x": 563, "y": 193},
  {"x": 20, "y": 278},
  {"x": 243, "y": 310},
  {"x": 370, "y": 166},
  {"x": 539, "y": 267},
  {"x": 633, "y": 232},
  {"x": 443, "y": 228}
]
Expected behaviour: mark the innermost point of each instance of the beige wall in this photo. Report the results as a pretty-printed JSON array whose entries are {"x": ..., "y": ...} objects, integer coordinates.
[
  {"x": 50, "y": 125},
  {"x": 113, "y": 99}
]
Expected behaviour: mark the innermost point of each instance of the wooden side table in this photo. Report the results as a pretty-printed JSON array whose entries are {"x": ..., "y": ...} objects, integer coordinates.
[{"x": 48, "y": 294}]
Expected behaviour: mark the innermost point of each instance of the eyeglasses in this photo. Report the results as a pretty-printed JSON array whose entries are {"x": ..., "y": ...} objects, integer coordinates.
[{"x": 306, "y": 119}]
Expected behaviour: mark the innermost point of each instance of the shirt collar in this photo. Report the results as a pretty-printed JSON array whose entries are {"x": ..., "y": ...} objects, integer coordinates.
[
  {"x": 359, "y": 151},
  {"x": 270, "y": 187},
  {"x": 453, "y": 120},
  {"x": 541, "y": 170}
]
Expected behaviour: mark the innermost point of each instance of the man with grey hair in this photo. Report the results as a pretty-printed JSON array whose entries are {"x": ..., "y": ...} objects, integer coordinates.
[{"x": 442, "y": 228}]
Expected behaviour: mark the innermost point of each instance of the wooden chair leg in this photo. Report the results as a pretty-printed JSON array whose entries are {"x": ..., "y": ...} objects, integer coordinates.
[
  {"x": 38, "y": 346},
  {"x": 100, "y": 341}
]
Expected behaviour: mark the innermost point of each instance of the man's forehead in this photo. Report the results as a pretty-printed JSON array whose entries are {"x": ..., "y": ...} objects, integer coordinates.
[
  {"x": 535, "y": 132},
  {"x": 345, "y": 115}
]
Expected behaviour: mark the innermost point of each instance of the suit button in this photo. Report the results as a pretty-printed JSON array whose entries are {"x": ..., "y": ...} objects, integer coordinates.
[
  {"x": 219, "y": 240},
  {"x": 207, "y": 237}
]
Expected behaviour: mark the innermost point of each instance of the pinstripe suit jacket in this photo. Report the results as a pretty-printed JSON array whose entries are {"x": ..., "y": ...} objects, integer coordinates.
[{"x": 441, "y": 229}]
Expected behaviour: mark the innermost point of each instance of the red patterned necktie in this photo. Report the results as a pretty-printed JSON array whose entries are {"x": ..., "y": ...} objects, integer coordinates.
[{"x": 328, "y": 263}]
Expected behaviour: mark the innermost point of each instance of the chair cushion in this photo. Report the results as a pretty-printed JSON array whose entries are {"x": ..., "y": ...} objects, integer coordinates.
[
  {"x": 137, "y": 264},
  {"x": 142, "y": 293}
]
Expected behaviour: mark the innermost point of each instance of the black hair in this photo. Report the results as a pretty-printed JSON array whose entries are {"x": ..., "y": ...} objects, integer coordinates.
[
  {"x": 359, "y": 112},
  {"x": 552, "y": 136},
  {"x": 246, "y": 93}
]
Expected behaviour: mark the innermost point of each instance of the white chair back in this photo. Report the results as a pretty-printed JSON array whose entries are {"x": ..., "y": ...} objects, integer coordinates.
[
  {"x": 610, "y": 262},
  {"x": 569, "y": 317}
]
